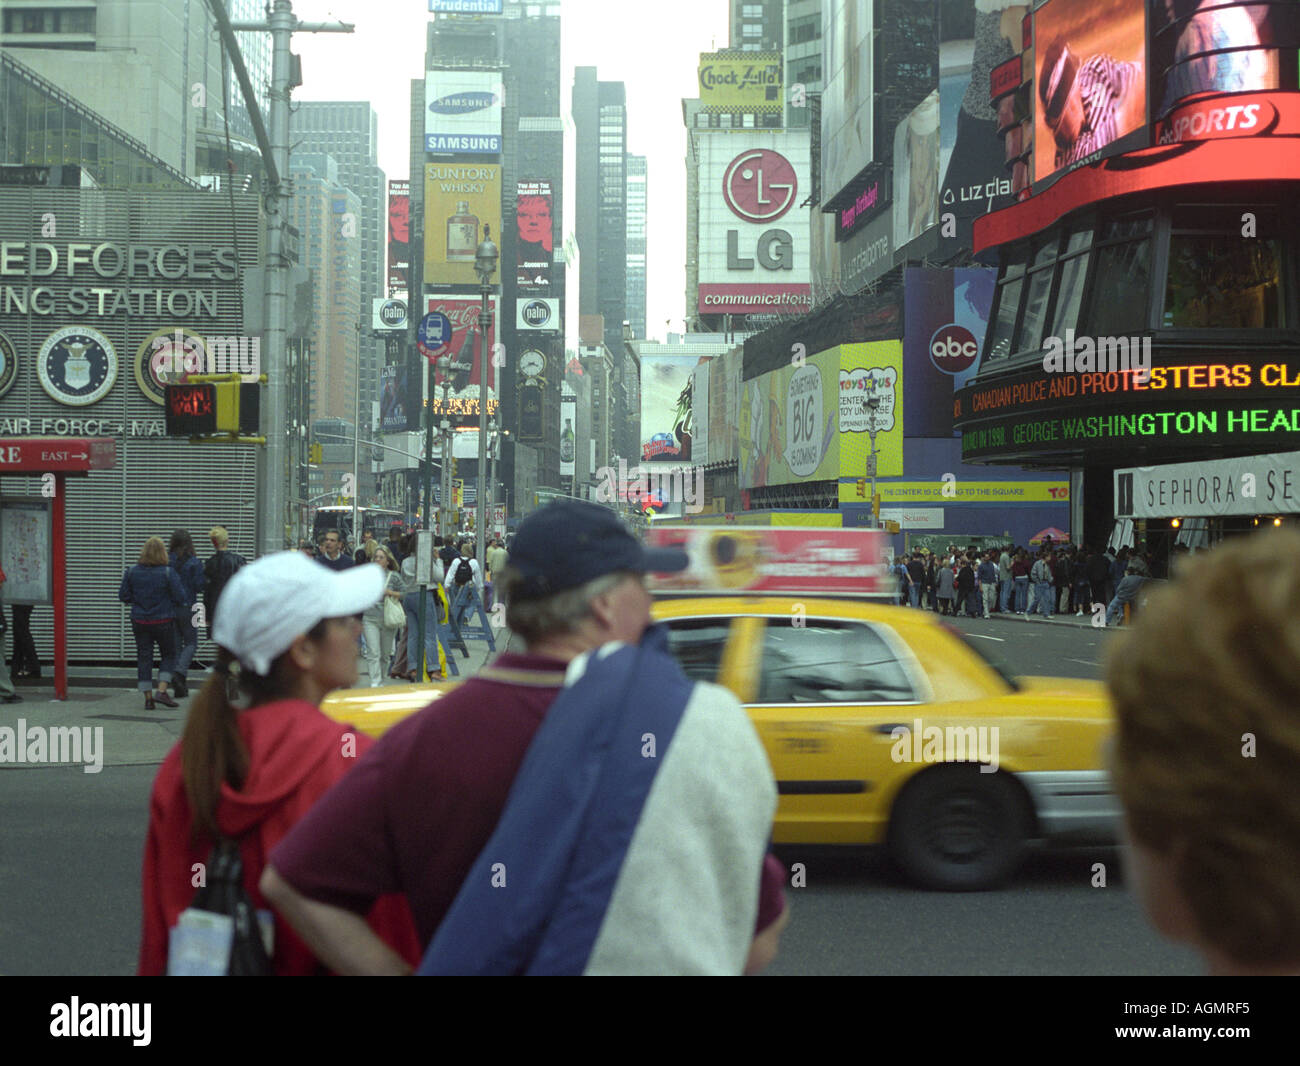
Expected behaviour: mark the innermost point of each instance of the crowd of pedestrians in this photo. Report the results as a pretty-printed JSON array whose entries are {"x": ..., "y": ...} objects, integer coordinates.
[
  {"x": 172, "y": 594},
  {"x": 385, "y": 858},
  {"x": 1054, "y": 579}
]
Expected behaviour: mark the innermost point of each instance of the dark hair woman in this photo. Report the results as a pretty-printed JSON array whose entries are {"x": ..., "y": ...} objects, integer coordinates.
[
  {"x": 257, "y": 752},
  {"x": 190, "y": 571},
  {"x": 155, "y": 594}
]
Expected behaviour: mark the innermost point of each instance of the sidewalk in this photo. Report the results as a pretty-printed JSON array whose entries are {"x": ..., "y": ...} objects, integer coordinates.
[{"x": 106, "y": 698}]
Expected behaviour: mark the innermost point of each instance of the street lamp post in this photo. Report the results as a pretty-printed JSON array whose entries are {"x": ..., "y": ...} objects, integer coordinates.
[
  {"x": 485, "y": 265},
  {"x": 873, "y": 407}
]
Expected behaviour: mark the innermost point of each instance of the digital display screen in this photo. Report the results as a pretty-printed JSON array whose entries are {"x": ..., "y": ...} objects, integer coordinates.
[
  {"x": 1209, "y": 404},
  {"x": 1090, "y": 82},
  {"x": 1218, "y": 46}
]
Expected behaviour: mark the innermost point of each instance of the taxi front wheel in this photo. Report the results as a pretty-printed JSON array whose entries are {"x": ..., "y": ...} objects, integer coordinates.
[{"x": 956, "y": 829}]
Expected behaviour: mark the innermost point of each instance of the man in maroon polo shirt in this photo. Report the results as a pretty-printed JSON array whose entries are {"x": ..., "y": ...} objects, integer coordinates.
[{"x": 420, "y": 806}]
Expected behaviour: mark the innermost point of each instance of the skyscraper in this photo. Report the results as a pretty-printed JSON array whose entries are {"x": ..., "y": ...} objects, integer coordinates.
[
  {"x": 636, "y": 244},
  {"x": 349, "y": 132},
  {"x": 150, "y": 67}
]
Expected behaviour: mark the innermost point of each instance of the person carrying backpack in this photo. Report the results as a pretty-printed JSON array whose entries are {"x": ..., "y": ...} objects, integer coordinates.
[
  {"x": 256, "y": 754},
  {"x": 221, "y": 566}
]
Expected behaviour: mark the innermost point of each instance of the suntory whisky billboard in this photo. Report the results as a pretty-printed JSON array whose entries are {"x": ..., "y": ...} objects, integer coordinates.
[{"x": 460, "y": 201}]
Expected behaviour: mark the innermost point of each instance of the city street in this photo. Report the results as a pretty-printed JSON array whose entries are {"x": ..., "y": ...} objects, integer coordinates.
[{"x": 70, "y": 863}]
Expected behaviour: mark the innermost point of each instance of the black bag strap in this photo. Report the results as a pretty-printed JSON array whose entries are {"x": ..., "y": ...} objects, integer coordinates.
[{"x": 223, "y": 893}]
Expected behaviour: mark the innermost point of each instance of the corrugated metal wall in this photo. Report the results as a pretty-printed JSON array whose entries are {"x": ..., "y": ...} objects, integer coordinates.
[{"x": 158, "y": 485}]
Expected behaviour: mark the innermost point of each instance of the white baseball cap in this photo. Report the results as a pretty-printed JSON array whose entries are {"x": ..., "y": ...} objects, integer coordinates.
[{"x": 271, "y": 602}]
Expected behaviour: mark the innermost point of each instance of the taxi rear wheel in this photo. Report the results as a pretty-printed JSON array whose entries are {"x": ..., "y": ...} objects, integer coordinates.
[{"x": 956, "y": 829}]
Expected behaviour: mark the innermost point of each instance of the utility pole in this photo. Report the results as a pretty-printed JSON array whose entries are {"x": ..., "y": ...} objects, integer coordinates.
[
  {"x": 485, "y": 264},
  {"x": 281, "y": 24}
]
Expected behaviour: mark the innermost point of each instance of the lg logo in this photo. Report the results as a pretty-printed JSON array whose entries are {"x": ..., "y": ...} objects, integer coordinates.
[
  {"x": 953, "y": 349},
  {"x": 760, "y": 185}
]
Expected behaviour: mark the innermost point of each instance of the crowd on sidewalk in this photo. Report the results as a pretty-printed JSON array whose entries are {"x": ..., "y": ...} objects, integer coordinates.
[
  {"x": 1056, "y": 579},
  {"x": 172, "y": 594}
]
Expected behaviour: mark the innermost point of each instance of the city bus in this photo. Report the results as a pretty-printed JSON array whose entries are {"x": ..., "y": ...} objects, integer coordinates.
[{"x": 374, "y": 520}]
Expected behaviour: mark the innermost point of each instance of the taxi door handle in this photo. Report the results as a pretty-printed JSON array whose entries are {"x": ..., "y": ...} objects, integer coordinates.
[{"x": 889, "y": 727}]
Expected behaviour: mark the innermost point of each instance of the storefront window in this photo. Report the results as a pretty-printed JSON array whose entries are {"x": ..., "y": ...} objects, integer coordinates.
[
  {"x": 1003, "y": 324},
  {"x": 1121, "y": 286},
  {"x": 1220, "y": 279}
]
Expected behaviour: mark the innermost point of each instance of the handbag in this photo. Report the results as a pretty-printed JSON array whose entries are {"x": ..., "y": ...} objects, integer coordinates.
[
  {"x": 394, "y": 615},
  {"x": 220, "y": 933}
]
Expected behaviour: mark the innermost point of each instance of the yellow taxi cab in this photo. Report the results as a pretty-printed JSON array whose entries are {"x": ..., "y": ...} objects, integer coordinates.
[{"x": 882, "y": 725}]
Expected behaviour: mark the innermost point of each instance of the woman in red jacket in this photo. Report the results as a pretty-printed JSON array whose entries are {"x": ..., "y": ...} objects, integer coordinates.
[{"x": 257, "y": 752}]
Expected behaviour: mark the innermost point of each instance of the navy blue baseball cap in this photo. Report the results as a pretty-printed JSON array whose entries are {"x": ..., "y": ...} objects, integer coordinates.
[{"x": 569, "y": 542}]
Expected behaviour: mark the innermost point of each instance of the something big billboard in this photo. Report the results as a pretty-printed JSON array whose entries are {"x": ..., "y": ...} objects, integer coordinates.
[
  {"x": 460, "y": 201},
  {"x": 462, "y": 112},
  {"x": 753, "y": 248},
  {"x": 813, "y": 422}
]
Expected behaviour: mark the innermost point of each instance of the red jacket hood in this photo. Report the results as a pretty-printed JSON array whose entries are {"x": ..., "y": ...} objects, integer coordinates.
[{"x": 289, "y": 742}]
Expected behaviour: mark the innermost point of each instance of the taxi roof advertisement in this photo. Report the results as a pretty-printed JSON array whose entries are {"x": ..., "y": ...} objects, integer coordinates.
[
  {"x": 846, "y": 562},
  {"x": 812, "y": 422}
]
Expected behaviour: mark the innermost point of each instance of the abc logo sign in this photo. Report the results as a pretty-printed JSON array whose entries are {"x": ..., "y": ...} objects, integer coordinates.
[
  {"x": 537, "y": 313},
  {"x": 953, "y": 349}
]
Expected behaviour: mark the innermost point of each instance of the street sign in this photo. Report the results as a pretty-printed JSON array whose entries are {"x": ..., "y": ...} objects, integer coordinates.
[
  {"x": 434, "y": 335},
  {"x": 57, "y": 455},
  {"x": 871, "y": 466}
]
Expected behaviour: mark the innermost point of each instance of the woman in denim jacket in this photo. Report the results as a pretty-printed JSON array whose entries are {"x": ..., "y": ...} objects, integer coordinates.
[
  {"x": 183, "y": 560},
  {"x": 155, "y": 594}
]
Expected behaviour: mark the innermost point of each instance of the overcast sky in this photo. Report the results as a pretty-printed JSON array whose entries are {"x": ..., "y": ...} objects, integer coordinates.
[{"x": 654, "y": 50}]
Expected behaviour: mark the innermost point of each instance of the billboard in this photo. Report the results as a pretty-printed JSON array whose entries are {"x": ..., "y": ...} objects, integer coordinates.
[
  {"x": 971, "y": 161},
  {"x": 847, "y": 99},
  {"x": 667, "y": 407},
  {"x": 946, "y": 316},
  {"x": 810, "y": 422},
  {"x": 393, "y": 397},
  {"x": 701, "y": 411},
  {"x": 1089, "y": 82},
  {"x": 537, "y": 313},
  {"x": 465, "y": 7},
  {"x": 1224, "y": 47},
  {"x": 466, "y": 351},
  {"x": 568, "y": 437},
  {"x": 740, "y": 83},
  {"x": 916, "y": 171},
  {"x": 399, "y": 236},
  {"x": 462, "y": 201},
  {"x": 462, "y": 112},
  {"x": 753, "y": 238},
  {"x": 535, "y": 236}
]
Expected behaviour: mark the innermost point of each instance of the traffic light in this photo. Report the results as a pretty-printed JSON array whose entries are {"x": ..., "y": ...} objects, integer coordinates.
[
  {"x": 875, "y": 505},
  {"x": 209, "y": 408},
  {"x": 454, "y": 467},
  {"x": 316, "y": 453},
  {"x": 862, "y": 487}
]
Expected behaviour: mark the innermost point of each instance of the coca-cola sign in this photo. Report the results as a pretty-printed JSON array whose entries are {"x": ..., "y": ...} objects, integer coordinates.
[{"x": 465, "y": 349}]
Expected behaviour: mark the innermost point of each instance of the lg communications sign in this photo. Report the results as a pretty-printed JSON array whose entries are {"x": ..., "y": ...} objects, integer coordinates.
[{"x": 753, "y": 245}]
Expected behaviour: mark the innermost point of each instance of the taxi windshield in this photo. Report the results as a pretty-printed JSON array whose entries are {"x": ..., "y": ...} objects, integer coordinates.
[{"x": 994, "y": 662}]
